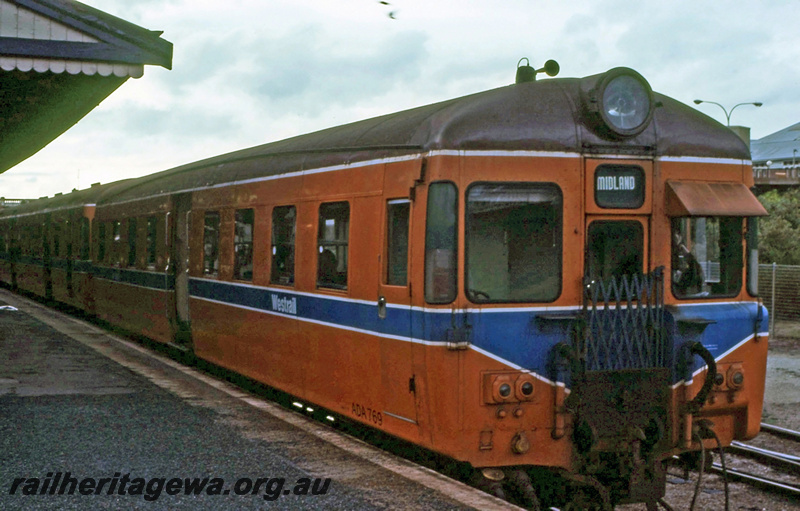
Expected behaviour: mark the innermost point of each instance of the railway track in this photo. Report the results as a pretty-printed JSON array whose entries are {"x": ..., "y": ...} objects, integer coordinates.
[
  {"x": 781, "y": 432},
  {"x": 774, "y": 471}
]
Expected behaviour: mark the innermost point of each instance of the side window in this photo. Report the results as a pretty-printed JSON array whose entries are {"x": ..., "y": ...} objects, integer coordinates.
[
  {"x": 397, "y": 219},
  {"x": 131, "y": 242},
  {"x": 85, "y": 237},
  {"x": 56, "y": 240},
  {"x": 101, "y": 242},
  {"x": 211, "y": 244},
  {"x": 284, "y": 226},
  {"x": 116, "y": 238},
  {"x": 752, "y": 256},
  {"x": 441, "y": 243},
  {"x": 332, "y": 241},
  {"x": 707, "y": 256},
  {"x": 151, "y": 241},
  {"x": 243, "y": 245}
]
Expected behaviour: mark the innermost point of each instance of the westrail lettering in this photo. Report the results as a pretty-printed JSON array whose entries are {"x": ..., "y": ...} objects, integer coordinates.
[{"x": 284, "y": 304}]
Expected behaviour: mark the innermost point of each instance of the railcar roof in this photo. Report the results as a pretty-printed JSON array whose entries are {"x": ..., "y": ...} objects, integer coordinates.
[
  {"x": 545, "y": 115},
  {"x": 76, "y": 199},
  {"x": 538, "y": 116}
]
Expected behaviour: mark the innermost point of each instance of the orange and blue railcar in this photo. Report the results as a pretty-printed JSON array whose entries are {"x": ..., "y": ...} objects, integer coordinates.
[{"x": 553, "y": 281}]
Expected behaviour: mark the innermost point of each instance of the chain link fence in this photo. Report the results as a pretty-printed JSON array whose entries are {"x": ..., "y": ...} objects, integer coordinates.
[{"x": 779, "y": 288}]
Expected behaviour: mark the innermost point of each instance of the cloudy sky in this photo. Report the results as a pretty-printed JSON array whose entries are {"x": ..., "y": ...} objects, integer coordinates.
[{"x": 246, "y": 72}]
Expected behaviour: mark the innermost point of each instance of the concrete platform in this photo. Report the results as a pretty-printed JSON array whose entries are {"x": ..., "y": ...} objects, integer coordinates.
[{"x": 119, "y": 427}]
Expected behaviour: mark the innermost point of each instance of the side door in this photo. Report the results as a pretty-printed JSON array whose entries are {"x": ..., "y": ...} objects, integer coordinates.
[
  {"x": 179, "y": 253},
  {"x": 393, "y": 310}
]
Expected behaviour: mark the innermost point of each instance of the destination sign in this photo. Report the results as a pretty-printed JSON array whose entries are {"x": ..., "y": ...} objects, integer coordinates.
[{"x": 619, "y": 186}]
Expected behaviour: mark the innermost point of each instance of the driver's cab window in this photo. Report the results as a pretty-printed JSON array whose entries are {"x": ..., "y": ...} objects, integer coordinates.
[
  {"x": 513, "y": 246},
  {"x": 707, "y": 256}
]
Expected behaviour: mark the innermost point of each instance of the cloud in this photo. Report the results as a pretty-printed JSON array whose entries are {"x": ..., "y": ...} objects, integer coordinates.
[{"x": 246, "y": 72}]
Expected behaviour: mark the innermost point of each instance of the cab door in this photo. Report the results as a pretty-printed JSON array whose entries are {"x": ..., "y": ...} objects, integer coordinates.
[
  {"x": 623, "y": 293},
  {"x": 618, "y": 204}
]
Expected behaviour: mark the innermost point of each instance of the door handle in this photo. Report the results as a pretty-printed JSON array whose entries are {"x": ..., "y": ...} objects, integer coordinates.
[{"x": 382, "y": 307}]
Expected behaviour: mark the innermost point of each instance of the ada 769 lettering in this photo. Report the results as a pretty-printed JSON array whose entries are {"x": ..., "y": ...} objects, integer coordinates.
[{"x": 368, "y": 414}]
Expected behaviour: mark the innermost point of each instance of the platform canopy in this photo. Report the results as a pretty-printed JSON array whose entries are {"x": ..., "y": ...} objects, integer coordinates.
[{"x": 58, "y": 60}]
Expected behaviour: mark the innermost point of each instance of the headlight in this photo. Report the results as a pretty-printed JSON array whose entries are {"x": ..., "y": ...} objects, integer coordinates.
[
  {"x": 626, "y": 103},
  {"x": 619, "y": 103}
]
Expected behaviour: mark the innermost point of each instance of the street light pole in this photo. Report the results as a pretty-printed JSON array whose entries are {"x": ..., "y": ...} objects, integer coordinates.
[{"x": 727, "y": 114}]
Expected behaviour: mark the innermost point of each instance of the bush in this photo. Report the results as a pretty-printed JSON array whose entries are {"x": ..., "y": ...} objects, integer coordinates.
[{"x": 779, "y": 233}]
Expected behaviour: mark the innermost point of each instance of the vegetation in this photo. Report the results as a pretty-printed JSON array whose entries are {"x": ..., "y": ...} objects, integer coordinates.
[{"x": 779, "y": 233}]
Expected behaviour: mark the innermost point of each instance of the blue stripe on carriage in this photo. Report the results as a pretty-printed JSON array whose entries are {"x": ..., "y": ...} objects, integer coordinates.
[
  {"x": 150, "y": 279},
  {"x": 522, "y": 337}
]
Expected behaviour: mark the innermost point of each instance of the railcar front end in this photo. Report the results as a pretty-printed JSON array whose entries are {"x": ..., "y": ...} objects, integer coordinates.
[{"x": 597, "y": 308}]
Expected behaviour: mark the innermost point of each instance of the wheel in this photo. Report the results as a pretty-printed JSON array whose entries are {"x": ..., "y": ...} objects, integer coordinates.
[{"x": 584, "y": 499}]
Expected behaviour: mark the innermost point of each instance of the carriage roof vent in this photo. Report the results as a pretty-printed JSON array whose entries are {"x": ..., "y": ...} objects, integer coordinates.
[{"x": 527, "y": 73}]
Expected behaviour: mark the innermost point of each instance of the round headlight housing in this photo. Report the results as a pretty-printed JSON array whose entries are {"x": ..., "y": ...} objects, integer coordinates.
[
  {"x": 626, "y": 104},
  {"x": 622, "y": 100}
]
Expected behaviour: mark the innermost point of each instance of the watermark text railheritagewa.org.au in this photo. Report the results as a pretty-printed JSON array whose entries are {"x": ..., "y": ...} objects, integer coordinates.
[{"x": 64, "y": 483}]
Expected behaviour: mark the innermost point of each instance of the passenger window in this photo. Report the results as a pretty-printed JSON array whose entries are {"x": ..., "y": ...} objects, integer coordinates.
[
  {"x": 397, "y": 219},
  {"x": 151, "y": 241},
  {"x": 85, "y": 237},
  {"x": 441, "y": 243},
  {"x": 243, "y": 245},
  {"x": 101, "y": 242},
  {"x": 56, "y": 240},
  {"x": 707, "y": 259},
  {"x": 131, "y": 242},
  {"x": 332, "y": 242},
  {"x": 284, "y": 221},
  {"x": 116, "y": 252},
  {"x": 211, "y": 244},
  {"x": 513, "y": 242}
]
